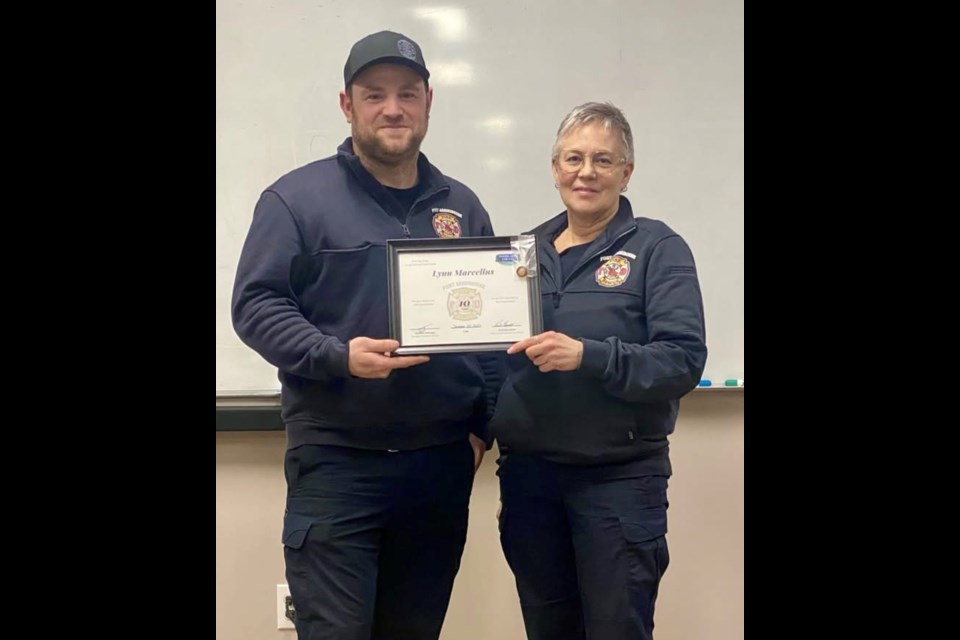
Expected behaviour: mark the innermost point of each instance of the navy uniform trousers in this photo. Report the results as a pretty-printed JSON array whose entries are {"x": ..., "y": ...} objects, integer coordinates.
[
  {"x": 373, "y": 539},
  {"x": 587, "y": 552}
]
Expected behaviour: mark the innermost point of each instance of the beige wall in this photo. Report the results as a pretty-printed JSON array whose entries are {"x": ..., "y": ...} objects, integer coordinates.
[{"x": 701, "y": 596}]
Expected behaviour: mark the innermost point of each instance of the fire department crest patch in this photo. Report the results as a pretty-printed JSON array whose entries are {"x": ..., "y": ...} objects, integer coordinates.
[
  {"x": 446, "y": 225},
  {"x": 613, "y": 272}
]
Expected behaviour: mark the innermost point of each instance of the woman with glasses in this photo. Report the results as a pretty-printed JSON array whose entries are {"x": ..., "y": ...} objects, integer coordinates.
[{"x": 583, "y": 418}]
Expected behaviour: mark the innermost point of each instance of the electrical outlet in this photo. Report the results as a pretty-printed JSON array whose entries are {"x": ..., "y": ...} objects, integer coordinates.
[{"x": 285, "y": 609}]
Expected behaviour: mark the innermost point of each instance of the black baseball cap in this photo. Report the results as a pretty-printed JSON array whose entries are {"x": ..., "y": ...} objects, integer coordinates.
[{"x": 384, "y": 46}]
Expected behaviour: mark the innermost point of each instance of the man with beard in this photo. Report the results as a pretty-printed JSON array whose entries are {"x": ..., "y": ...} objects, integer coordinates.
[{"x": 381, "y": 451}]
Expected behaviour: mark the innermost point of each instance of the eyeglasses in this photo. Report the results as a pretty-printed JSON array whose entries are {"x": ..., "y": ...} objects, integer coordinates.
[{"x": 571, "y": 161}]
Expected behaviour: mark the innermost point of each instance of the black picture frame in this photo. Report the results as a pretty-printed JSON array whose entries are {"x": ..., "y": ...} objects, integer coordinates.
[{"x": 522, "y": 248}]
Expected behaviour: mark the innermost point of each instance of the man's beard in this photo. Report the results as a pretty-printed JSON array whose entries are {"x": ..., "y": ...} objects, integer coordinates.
[{"x": 372, "y": 147}]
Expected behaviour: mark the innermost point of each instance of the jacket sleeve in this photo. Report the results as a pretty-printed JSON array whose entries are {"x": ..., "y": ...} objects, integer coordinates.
[
  {"x": 265, "y": 310},
  {"x": 671, "y": 363}
]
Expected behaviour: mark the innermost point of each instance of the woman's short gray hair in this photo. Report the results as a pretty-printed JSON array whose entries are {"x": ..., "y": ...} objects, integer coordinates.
[{"x": 605, "y": 114}]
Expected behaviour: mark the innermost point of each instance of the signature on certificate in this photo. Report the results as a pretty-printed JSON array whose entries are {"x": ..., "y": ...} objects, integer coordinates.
[
  {"x": 506, "y": 323},
  {"x": 425, "y": 329}
]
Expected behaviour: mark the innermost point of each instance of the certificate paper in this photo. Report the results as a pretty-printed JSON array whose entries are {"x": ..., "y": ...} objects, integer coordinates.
[{"x": 475, "y": 294}]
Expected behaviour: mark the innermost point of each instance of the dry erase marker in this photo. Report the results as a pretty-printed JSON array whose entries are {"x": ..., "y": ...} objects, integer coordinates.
[
  {"x": 705, "y": 383},
  {"x": 734, "y": 382}
]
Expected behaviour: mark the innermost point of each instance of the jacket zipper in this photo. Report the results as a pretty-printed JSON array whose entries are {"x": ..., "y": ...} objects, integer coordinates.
[
  {"x": 558, "y": 295},
  {"x": 423, "y": 198}
]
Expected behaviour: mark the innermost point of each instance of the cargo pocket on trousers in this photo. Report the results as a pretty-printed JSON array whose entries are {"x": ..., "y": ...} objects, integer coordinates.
[
  {"x": 644, "y": 534},
  {"x": 648, "y": 524},
  {"x": 295, "y": 529}
]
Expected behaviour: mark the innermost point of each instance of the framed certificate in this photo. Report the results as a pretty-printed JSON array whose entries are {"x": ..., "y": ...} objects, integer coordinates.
[{"x": 463, "y": 294}]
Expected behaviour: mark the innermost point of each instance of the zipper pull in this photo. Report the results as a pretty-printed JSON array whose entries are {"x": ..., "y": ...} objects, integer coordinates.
[{"x": 406, "y": 230}]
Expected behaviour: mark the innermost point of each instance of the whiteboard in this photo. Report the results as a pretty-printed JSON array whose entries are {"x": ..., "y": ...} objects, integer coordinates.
[{"x": 504, "y": 74}]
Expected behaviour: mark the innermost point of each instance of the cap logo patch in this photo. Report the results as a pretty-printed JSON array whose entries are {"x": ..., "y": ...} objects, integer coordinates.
[{"x": 407, "y": 50}]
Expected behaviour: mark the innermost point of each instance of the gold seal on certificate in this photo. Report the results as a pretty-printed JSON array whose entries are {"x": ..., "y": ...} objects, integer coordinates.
[{"x": 462, "y": 294}]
